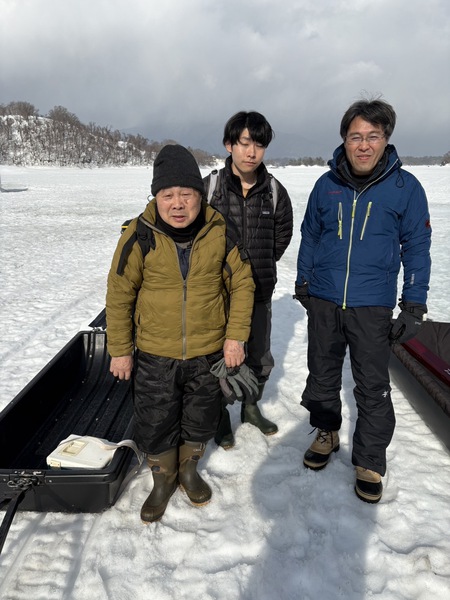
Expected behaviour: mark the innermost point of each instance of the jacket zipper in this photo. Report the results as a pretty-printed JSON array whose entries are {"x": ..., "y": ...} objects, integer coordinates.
[
  {"x": 347, "y": 274},
  {"x": 183, "y": 317},
  {"x": 184, "y": 301},
  {"x": 340, "y": 221},
  {"x": 355, "y": 199},
  {"x": 244, "y": 223}
]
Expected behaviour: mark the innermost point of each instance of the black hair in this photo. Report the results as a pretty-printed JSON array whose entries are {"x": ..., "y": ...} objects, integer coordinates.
[
  {"x": 376, "y": 112},
  {"x": 259, "y": 128}
]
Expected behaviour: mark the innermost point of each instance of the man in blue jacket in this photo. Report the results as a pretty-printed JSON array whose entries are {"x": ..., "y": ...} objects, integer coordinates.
[{"x": 364, "y": 219}]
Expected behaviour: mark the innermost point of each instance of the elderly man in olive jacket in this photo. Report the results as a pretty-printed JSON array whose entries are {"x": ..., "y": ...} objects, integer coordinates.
[{"x": 190, "y": 301}]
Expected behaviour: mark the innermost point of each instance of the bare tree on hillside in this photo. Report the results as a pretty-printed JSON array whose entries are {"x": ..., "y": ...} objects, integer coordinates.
[{"x": 21, "y": 109}]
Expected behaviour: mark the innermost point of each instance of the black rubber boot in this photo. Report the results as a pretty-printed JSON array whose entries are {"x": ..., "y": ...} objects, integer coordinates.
[
  {"x": 250, "y": 413},
  {"x": 224, "y": 436},
  {"x": 164, "y": 468},
  {"x": 195, "y": 487}
]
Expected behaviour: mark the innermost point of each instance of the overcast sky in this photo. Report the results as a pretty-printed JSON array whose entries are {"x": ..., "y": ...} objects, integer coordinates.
[{"x": 179, "y": 68}]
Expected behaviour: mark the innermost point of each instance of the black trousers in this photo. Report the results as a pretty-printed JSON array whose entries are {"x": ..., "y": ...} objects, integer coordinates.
[
  {"x": 175, "y": 401},
  {"x": 259, "y": 357},
  {"x": 365, "y": 332}
]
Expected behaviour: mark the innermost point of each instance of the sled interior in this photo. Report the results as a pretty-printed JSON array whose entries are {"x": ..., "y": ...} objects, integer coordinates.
[{"x": 74, "y": 394}]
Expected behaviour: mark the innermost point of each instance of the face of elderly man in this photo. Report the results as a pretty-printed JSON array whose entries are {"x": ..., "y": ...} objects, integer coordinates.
[{"x": 178, "y": 206}]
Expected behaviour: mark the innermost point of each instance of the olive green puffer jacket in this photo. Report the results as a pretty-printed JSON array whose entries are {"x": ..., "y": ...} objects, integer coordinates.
[{"x": 175, "y": 317}]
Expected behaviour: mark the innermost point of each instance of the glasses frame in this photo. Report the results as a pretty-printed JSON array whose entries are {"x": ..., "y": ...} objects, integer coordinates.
[{"x": 376, "y": 139}]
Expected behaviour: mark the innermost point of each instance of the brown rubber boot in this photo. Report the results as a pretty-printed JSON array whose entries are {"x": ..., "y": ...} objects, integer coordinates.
[
  {"x": 164, "y": 468},
  {"x": 195, "y": 487},
  {"x": 319, "y": 453},
  {"x": 368, "y": 487}
]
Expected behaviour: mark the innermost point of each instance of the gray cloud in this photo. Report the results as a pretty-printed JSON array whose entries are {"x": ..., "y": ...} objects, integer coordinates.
[{"x": 180, "y": 69}]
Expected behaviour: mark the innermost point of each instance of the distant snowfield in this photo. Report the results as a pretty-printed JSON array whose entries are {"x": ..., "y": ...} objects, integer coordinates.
[{"x": 272, "y": 529}]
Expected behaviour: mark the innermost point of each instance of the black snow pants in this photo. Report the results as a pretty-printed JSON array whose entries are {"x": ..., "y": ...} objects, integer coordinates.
[
  {"x": 175, "y": 401},
  {"x": 365, "y": 332},
  {"x": 259, "y": 356}
]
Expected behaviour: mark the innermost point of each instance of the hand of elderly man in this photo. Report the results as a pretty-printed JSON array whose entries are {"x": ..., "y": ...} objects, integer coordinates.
[
  {"x": 121, "y": 366},
  {"x": 233, "y": 353}
]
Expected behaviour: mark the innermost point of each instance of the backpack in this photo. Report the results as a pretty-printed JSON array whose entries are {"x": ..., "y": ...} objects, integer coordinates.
[{"x": 215, "y": 179}]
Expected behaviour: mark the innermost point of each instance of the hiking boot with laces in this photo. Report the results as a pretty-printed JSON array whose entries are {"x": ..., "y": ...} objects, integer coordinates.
[
  {"x": 368, "y": 487},
  {"x": 318, "y": 454}
]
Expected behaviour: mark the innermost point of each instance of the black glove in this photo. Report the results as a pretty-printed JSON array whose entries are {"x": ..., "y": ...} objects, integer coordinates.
[
  {"x": 238, "y": 383},
  {"x": 408, "y": 322},
  {"x": 301, "y": 294}
]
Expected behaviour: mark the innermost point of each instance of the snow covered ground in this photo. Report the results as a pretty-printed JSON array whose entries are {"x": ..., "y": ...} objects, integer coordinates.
[{"x": 272, "y": 529}]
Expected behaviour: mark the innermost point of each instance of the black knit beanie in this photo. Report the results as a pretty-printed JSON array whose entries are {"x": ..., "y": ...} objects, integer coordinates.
[{"x": 176, "y": 166}]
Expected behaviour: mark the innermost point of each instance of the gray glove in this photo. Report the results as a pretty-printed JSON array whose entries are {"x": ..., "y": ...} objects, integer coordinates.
[{"x": 238, "y": 383}]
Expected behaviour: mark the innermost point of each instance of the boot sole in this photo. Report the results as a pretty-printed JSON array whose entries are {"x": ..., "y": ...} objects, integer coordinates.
[
  {"x": 225, "y": 445},
  {"x": 367, "y": 491},
  {"x": 192, "y": 501},
  {"x": 270, "y": 432},
  {"x": 150, "y": 522},
  {"x": 367, "y": 497},
  {"x": 320, "y": 466},
  {"x": 259, "y": 428}
]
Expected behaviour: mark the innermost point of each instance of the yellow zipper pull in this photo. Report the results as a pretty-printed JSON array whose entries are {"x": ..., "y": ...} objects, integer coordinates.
[
  {"x": 340, "y": 221},
  {"x": 369, "y": 206}
]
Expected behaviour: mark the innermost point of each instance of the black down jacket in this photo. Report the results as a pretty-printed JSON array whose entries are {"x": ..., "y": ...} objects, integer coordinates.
[{"x": 264, "y": 235}]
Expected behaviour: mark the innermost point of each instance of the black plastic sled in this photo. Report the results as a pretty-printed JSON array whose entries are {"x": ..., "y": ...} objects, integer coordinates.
[{"x": 73, "y": 394}]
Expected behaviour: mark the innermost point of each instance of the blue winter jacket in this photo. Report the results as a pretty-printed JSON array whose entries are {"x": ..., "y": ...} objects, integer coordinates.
[{"x": 353, "y": 243}]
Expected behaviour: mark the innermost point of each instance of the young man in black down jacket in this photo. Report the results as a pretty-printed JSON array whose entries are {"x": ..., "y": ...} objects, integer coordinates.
[{"x": 244, "y": 196}]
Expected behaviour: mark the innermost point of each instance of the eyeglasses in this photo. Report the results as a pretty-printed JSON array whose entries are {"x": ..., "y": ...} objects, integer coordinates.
[{"x": 356, "y": 140}]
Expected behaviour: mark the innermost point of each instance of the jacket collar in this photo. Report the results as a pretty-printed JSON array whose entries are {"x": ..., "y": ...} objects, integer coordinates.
[
  {"x": 341, "y": 168},
  {"x": 233, "y": 181}
]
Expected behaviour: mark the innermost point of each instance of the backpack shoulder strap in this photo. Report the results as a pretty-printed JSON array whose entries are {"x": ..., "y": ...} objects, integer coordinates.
[
  {"x": 214, "y": 184},
  {"x": 143, "y": 235},
  {"x": 234, "y": 239},
  {"x": 274, "y": 192}
]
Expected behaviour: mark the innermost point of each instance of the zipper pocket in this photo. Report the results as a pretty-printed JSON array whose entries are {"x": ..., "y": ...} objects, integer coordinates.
[
  {"x": 369, "y": 206},
  {"x": 340, "y": 221}
]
